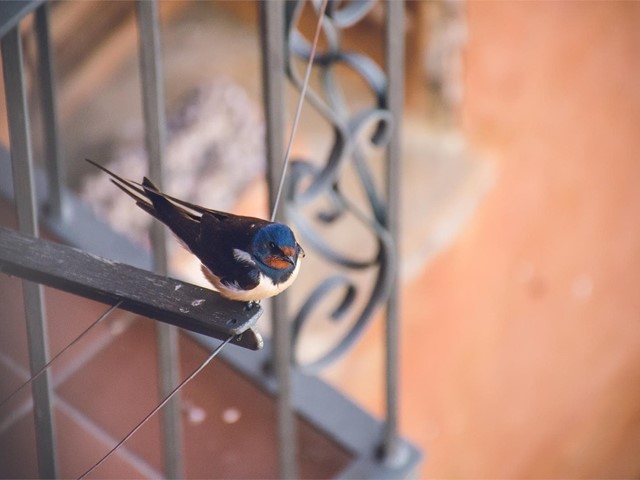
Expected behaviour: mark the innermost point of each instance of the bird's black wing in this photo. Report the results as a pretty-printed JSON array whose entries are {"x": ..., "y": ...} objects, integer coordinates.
[
  {"x": 217, "y": 242},
  {"x": 183, "y": 223},
  {"x": 131, "y": 188}
]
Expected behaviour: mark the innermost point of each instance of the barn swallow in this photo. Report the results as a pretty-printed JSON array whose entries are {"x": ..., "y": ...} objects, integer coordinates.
[{"x": 245, "y": 258}]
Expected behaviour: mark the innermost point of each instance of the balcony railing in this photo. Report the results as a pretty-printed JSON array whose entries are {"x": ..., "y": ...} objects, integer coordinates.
[{"x": 42, "y": 197}]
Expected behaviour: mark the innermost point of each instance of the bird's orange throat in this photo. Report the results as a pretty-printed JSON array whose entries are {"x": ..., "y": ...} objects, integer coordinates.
[{"x": 276, "y": 262}]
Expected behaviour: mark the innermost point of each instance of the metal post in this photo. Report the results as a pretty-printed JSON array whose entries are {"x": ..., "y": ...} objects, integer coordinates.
[
  {"x": 52, "y": 153},
  {"x": 273, "y": 75},
  {"x": 394, "y": 66},
  {"x": 155, "y": 137},
  {"x": 22, "y": 164}
]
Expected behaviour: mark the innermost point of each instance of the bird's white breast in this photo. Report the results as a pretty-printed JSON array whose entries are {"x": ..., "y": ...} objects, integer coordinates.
[{"x": 265, "y": 288}]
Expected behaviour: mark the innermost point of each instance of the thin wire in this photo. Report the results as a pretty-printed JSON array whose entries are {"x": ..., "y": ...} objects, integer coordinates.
[
  {"x": 296, "y": 119},
  {"x": 159, "y": 406},
  {"x": 48, "y": 364}
]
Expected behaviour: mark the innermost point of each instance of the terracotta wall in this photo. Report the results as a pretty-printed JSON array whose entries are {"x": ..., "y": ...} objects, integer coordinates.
[{"x": 521, "y": 341}]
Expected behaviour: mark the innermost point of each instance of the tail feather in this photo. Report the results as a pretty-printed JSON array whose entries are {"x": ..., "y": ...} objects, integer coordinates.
[
  {"x": 131, "y": 188},
  {"x": 183, "y": 223}
]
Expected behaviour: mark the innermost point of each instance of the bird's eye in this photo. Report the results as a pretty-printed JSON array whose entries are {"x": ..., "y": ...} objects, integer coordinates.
[{"x": 272, "y": 245}]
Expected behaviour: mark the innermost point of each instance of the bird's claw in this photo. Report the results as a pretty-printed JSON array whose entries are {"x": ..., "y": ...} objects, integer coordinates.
[{"x": 251, "y": 305}]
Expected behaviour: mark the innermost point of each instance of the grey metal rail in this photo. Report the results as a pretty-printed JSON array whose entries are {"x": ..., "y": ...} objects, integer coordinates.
[
  {"x": 23, "y": 180},
  {"x": 152, "y": 84},
  {"x": 272, "y": 22}
]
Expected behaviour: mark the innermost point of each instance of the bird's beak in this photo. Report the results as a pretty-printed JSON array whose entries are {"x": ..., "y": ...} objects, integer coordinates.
[
  {"x": 300, "y": 251},
  {"x": 289, "y": 254}
]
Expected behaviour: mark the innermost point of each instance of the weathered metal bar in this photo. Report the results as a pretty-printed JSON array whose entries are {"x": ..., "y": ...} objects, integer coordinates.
[
  {"x": 22, "y": 165},
  {"x": 164, "y": 299},
  {"x": 46, "y": 84},
  {"x": 394, "y": 67},
  {"x": 155, "y": 140},
  {"x": 273, "y": 77}
]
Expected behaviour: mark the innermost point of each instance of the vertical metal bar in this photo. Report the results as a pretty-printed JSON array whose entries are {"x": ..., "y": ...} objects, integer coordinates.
[
  {"x": 53, "y": 157},
  {"x": 155, "y": 137},
  {"x": 22, "y": 165},
  {"x": 394, "y": 66},
  {"x": 273, "y": 75}
]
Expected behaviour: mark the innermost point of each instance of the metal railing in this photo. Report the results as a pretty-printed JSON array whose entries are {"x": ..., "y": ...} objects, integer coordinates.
[{"x": 377, "y": 447}]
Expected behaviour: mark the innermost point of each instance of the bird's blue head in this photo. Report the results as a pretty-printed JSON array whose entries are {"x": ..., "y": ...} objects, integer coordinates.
[{"x": 276, "y": 249}]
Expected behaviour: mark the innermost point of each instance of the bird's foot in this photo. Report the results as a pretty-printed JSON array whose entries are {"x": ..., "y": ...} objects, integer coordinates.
[{"x": 251, "y": 305}]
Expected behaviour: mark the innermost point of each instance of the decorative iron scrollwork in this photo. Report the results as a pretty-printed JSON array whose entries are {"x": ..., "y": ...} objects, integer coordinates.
[{"x": 311, "y": 182}]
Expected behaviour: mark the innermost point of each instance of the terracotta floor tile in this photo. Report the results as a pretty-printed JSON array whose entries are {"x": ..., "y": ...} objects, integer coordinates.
[
  {"x": 7, "y": 214},
  {"x": 117, "y": 387},
  {"x": 81, "y": 445},
  {"x": 68, "y": 317},
  {"x": 17, "y": 450}
]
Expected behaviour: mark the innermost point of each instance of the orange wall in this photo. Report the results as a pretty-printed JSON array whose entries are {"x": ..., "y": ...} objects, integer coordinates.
[{"x": 533, "y": 317}]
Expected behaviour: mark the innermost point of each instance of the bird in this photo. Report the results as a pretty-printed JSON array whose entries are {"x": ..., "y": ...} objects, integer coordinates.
[{"x": 245, "y": 259}]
